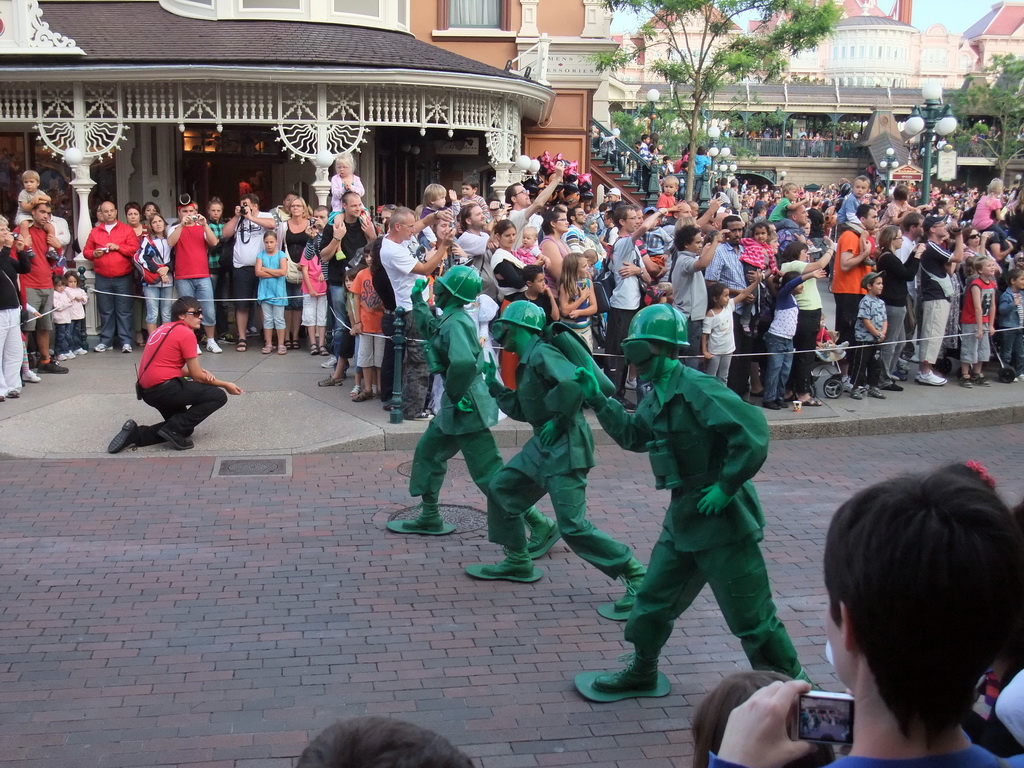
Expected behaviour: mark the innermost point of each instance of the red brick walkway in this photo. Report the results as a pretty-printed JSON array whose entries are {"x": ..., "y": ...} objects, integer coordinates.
[{"x": 153, "y": 616}]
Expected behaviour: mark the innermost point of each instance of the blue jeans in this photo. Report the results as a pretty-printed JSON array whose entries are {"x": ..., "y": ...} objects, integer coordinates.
[
  {"x": 339, "y": 315},
  {"x": 78, "y": 336},
  {"x": 115, "y": 312},
  {"x": 202, "y": 289},
  {"x": 158, "y": 302},
  {"x": 65, "y": 337},
  {"x": 1011, "y": 349},
  {"x": 780, "y": 360},
  {"x": 273, "y": 316}
]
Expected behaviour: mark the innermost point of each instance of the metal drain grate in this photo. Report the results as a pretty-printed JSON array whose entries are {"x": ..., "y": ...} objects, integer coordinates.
[
  {"x": 256, "y": 467},
  {"x": 464, "y": 518},
  {"x": 456, "y": 468}
]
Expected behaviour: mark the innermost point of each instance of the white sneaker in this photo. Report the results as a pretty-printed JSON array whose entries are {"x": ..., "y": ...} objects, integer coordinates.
[
  {"x": 100, "y": 348},
  {"x": 31, "y": 377},
  {"x": 847, "y": 384},
  {"x": 213, "y": 346},
  {"x": 331, "y": 362},
  {"x": 1021, "y": 377},
  {"x": 81, "y": 352},
  {"x": 630, "y": 384},
  {"x": 931, "y": 379},
  {"x": 126, "y": 348},
  {"x": 69, "y": 355}
]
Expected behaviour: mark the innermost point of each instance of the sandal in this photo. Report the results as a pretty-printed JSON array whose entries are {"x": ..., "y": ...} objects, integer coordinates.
[
  {"x": 240, "y": 346},
  {"x": 330, "y": 381},
  {"x": 324, "y": 351},
  {"x": 314, "y": 350},
  {"x": 268, "y": 348},
  {"x": 812, "y": 403},
  {"x": 363, "y": 396},
  {"x": 282, "y": 351}
]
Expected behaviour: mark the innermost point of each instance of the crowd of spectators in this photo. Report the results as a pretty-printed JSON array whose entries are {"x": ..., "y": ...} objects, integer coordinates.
[{"x": 913, "y": 282}]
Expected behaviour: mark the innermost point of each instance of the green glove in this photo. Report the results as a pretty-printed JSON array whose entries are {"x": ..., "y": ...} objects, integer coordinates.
[
  {"x": 713, "y": 501},
  {"x": 550, "y": 432},
  {"x": 465, "y": 405},
  {"x": 419, "y": 287},
  {"x": 491, "y": 376},
  {"x": 590, "y": 387}
]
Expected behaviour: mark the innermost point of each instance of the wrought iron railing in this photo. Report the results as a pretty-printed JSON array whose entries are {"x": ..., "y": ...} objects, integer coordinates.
[
  {"x": 812, "y": 148},
  {"x": 625, "y": 161}
]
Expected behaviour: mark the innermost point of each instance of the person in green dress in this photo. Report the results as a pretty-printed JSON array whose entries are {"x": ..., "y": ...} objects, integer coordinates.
[{"x": 705, "y": 444}]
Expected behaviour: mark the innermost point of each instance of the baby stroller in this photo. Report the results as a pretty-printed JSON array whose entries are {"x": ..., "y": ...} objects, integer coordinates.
[{"x": 829, "y": 354}]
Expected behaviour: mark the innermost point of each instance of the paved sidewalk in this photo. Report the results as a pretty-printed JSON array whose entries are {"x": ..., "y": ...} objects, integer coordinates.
[
  {"x": 284, "y": 412},
  {"x": 155, "y": 616}
]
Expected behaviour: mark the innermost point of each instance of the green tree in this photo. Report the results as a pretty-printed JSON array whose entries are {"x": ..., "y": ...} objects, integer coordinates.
[
  {"x": 700, "y": 45},
  {"x": 991, "y": 109}
]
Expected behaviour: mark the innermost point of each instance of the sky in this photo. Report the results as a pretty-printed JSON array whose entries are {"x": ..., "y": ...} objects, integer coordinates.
[{"x": 957, "y": 16}]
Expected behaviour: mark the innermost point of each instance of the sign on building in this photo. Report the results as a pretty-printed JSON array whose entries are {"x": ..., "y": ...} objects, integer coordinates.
[
  {"x": 907, "y": 172},
  {"x": 947, "y": 166}
]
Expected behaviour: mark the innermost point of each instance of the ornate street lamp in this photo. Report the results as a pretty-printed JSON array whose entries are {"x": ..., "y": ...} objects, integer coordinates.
[
  {"x": 931, "y": 120},
  {"x": 889, "y": 165}
]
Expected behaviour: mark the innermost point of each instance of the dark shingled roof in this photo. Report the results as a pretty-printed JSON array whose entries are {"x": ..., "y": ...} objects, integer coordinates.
[{"x": 138, "y": 33}]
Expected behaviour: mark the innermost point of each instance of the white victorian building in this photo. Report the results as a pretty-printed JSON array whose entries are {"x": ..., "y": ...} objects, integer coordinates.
[{"x": 146, "y": 99}]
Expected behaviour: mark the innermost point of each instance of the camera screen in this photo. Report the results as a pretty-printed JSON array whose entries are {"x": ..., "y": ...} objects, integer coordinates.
[{"x": 825, "y": 719}]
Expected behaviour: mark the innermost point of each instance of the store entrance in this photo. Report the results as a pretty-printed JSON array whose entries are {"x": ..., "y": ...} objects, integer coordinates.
[{"x": 238, "y": 161}]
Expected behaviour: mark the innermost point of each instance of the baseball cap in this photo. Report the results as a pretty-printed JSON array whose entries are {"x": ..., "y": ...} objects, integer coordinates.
[
  {"x": 931, "y": 221},
  {"x": 869, "y": 278},
  {"x": 614, "y": 191}
]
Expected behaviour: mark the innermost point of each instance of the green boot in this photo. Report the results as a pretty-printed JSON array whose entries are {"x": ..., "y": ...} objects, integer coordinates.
[
  {"x": 429, "y": 522},
  {"x": 517, "y": 566},
  {"x": 633, "y": 575},
  {"x": 543, "y": 533},
  {"x": 640, "y": 678}
]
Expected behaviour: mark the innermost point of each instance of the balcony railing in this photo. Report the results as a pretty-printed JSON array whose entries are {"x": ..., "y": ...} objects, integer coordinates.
[{"x": 812, "y": 148}]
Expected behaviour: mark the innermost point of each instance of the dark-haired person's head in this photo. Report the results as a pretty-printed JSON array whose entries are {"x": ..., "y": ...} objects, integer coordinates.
[
  {"x": 925, "y": 581},
  {"x": 794, "y": 251},
  {"x": 686, "y": 237},
  {"x": 184, "y": 304},
  {"x": 377, "y": 742},
  {"x": 550, "y": 216},
  {"x": 502, "y": 227},
  {"x": 531, "y": 272},
  {"x": 912, "y": 220}
]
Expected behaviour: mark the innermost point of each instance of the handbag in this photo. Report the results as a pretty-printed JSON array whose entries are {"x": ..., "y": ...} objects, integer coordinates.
[{"x": 294, "y": 274}]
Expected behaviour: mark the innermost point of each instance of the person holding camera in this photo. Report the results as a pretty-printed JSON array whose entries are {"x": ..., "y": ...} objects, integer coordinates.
[
  {"x": 190, "y": 239},
  {"x": 111, "y": 247},
  {"x": 705, "y": 445},
  {"x": 247, "y": 227},
  {"x": 925, "y": 582},
  {"x": 935, "y": 292}
]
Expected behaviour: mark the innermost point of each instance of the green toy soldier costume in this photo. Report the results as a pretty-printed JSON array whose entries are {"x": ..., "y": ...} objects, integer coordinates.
[
  {"x": 467, "y": 410},
  {"x": 554, "y": 461},
  {"x": 705, "y": 444}
]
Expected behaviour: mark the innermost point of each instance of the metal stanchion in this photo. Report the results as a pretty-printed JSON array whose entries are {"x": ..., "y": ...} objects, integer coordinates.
[{"x": 398, "y": 339}]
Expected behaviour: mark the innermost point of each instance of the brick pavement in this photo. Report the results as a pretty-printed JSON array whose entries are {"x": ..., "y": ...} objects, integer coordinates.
[{"x": 223, "y": 631}]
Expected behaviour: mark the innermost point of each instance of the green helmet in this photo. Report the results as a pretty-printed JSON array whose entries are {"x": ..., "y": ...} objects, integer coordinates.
[
  {"x": 524, "y": 314},
  {"x": 659, "y": 322},
  {"x": 462, "y": 282}
]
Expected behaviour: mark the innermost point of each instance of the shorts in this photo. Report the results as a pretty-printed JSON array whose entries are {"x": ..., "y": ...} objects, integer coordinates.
[
  {"x": 972, "y": 349},
  {"x": 245, "y": 285},
  {"x": 40, "y": 299},
  {"x": 314, "y": 311},
  {"x": 371, "y": 351},
  {"x": 273, "y": 316}
]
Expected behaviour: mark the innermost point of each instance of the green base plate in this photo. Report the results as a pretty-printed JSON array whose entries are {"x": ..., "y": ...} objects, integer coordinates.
[
  {"x": 585, "y": 685},
  {"x": 608, "y": 611},
  {"x": 476, "y": 571},
  {"x": 544, "y": 547},
  {"x": 402, "y": 526}
]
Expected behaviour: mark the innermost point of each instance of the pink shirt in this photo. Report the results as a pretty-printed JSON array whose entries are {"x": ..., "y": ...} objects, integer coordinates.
[{"x": 983, "y": 218}]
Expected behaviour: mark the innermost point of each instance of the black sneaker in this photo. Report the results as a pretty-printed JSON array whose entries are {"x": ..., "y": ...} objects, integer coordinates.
[
  {"x": 178, "y": 442},
  {"x": 892, "y": 386},
  {"x": 51, "y": 367},
  {"x": 126, "y": 438},
  {"x": 772, "y": 405}
]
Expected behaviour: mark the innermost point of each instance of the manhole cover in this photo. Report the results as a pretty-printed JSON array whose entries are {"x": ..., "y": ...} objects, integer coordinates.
[
  {"x": 261, "y": 467},
  {"x": 456, "y": 468},
  {"x": 464, "y": 518}
]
